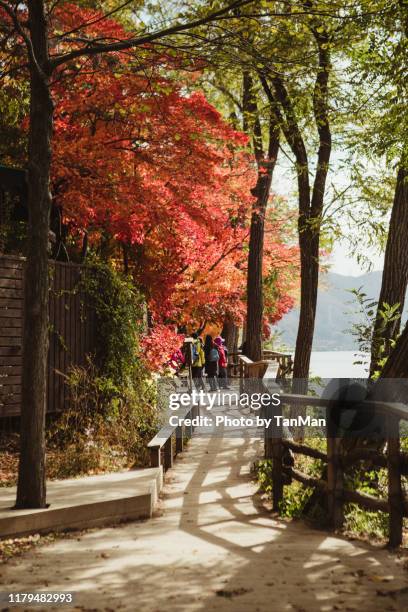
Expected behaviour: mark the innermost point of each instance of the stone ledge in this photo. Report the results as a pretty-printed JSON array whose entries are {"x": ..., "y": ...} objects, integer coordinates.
[{"x": 80, "y": 503}]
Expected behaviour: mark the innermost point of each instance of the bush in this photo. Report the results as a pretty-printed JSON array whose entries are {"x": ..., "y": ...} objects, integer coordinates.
[
  {"x": 112, "y": 408},
  {"x": 118, "y": 308},
  {"x": 96, "y": 435}
]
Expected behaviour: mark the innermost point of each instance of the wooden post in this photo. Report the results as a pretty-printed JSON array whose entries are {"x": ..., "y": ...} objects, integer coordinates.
[
  {"x": 195, "y": 412},
  {"x": 335, "y": 477},
  {"x": 168, "y": 453},
  {"x": 276, "y": 448},
  {"x": 241, "y": 377},
  {"x": 268, "y": 434},
  {"x": 189, "y": 428},
  {"x": 155, "y": 456},
  {"x": 395, "y": 499},
  {"x": 179, "y": 439}
]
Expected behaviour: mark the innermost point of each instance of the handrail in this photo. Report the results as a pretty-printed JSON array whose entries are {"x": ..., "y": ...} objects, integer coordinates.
[
  {"x": 270, "y": 353},
  {"x": 249, "y": 369},
  {"x": 284, "y": 360},
  {"x": 285, "y": 363},
  {"x": 163, "y": 440},
  {"x": 395, "y": 461},
  {"x": 398, "y": 409},
  {"x": 245, "y": 359}
]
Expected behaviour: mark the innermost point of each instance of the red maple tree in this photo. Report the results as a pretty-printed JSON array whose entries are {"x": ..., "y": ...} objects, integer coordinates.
[{"x": 141, "y": 164}]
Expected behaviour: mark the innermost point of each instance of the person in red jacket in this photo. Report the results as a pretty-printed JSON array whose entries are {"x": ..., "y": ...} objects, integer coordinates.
[{"x": 222, "y": 363}]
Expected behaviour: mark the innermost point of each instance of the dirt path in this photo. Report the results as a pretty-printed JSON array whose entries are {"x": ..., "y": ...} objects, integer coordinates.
[{"x": 213, "y": 547}]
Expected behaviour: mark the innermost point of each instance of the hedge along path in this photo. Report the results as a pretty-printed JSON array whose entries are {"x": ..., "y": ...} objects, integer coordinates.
[{"x": 213, "y": 546}]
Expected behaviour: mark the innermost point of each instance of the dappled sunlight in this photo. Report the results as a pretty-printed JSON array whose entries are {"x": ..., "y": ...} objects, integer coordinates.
[
  {"x": 242, "y": 534},
  {"x": 213, "y": 546}
]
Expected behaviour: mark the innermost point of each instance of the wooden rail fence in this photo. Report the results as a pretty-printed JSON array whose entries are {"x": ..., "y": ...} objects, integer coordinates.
[
  {"x": 333, "y": 486},
  {"x": 283, "y": 360},
  {"x": 72, "y": 331},
  {"x": 277, "y": 448}
]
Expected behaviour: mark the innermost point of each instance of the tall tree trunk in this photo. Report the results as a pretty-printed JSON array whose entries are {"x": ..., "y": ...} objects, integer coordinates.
[
  {"x": 255, "y": 304},
  {"x": 310, "y": 205},
  {"x": 395, "y": 273},
  {"x": 31, "y": 490},
  {"x": 255, "y": 264},
  {"x": 230, "y": 334},
  {"x": 310, "y": 215},
  {"x": 309, "y": 268},
  {"x": 266, "y": 161}
]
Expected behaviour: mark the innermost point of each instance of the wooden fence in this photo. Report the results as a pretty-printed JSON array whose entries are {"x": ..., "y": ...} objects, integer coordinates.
[
  {"x": 333, "y": 487},
  {"x": 72, "y": 334},
  {"x": 11, "y": 327},
  {"x": 283, "y": 360}
]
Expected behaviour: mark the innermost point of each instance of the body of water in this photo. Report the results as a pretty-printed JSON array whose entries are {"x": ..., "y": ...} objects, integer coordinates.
[{"x": 338, "y": 364}]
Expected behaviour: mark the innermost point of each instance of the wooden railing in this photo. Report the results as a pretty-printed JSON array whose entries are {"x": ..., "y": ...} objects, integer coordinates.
[
  {"x": 284, "y": 361},
  {"x": 252, "y": 369},
  {"x": 233, "y": 364},
  {"x": 169, "y": 441},
  {"x": 333, "y": 486},
  {"x": 251, "y": 374}
]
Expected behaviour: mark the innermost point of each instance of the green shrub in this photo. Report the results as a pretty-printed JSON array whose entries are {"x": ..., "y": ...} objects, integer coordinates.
[
  {"x": 118, "y": 308},
  {"x": 111, "y": 413}
]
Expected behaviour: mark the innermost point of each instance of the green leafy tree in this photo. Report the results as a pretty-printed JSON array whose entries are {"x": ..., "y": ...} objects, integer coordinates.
[{"x": 378, "y": 106}]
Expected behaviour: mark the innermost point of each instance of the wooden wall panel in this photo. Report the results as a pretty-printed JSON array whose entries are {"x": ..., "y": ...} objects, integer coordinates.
[
  {"x": 72, "y": 336},
  {"x": 11, "y": 320}
]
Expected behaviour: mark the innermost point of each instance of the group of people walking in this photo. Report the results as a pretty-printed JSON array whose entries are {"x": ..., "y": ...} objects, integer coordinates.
[{"x": 209, "y": 357}]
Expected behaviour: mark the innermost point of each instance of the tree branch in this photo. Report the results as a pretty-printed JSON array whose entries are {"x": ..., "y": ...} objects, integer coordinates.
[
  {"x": 19, "y": 28},
  {"x": 96, "y": 49},
  {"x": 321, "y": 115}
]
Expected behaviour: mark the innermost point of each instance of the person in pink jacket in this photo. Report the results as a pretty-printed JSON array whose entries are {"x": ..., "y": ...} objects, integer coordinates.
[{"x": 222, "y": 363}]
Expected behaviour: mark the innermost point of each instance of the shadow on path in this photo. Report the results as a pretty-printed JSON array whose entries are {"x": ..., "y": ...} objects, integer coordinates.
[{"x": 214, "y": 547}]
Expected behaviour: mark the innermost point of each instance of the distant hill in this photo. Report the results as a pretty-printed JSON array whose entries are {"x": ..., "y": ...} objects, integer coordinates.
[{"x": 335, "y": 313}]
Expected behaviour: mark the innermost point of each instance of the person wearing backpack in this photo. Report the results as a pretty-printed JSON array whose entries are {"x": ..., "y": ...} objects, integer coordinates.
[
  {"x": 222, "y": 363},
  {"x": 197, "y": 362},
  {"x": 211, "y": 362}
]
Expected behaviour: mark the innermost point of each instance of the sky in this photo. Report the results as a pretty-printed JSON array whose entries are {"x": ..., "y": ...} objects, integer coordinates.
[
  {"x": 341, "y": 260},
  {"x": 342, "y": 263}
]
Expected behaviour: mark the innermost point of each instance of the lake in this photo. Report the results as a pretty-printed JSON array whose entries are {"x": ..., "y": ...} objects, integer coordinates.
[{"x": 337, "y": 364}]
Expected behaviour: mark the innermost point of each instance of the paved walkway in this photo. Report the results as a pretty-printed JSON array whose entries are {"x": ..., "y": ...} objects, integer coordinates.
[{"x": 213, "y": 547}]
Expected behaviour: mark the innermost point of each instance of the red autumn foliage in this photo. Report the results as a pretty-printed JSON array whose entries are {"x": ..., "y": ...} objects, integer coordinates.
[
  {"x": 158, "y": 345},
  {"x": 140, "y": 162}
]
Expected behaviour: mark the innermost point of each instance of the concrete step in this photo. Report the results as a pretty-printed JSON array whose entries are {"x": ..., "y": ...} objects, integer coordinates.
[{"x": 80, "y": 503}]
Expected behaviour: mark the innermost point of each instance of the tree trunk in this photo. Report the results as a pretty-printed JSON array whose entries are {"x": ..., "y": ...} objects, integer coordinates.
[
  {"x": 310, "y": 206},
  {"x": 310, "y": 217},
  {"x": 309, "y": 238},
  {"x": 255, "y": 262},
  {"x": 31, "y": 490},
  {"x": 397, "y": 363},
  {"x": 395, "y": 273},
  {"x": 230, "y": 334},
  {"x": 254, "y": 320},
  {"x": 266, "y": 163},
  {"x": 309, "y": 267}
]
